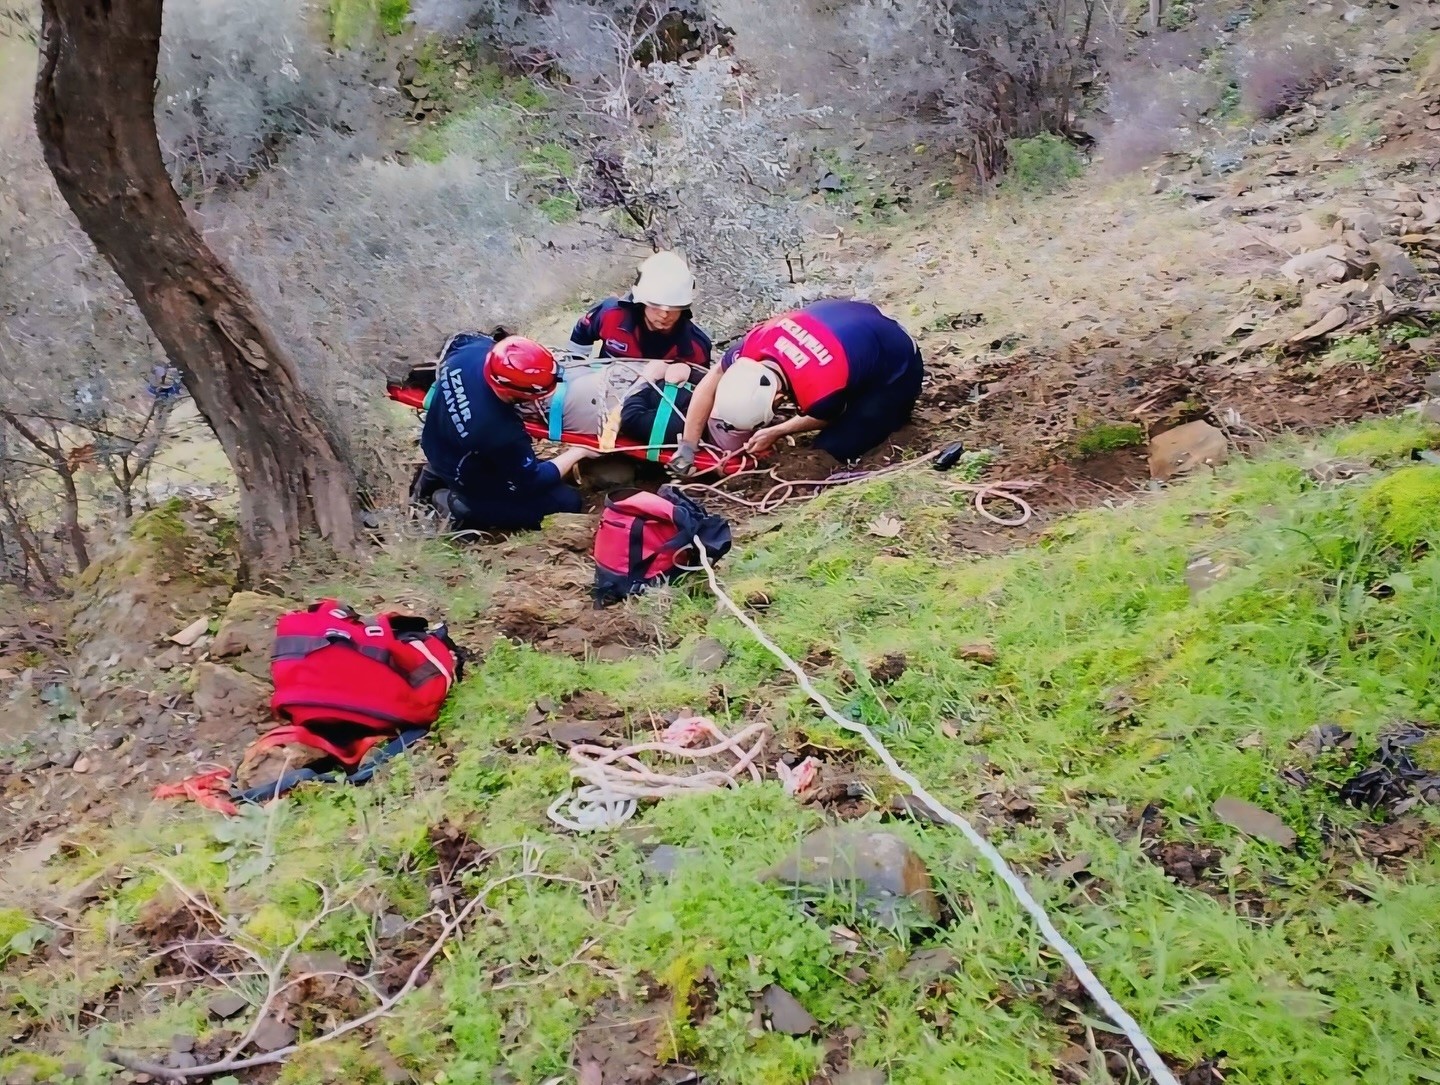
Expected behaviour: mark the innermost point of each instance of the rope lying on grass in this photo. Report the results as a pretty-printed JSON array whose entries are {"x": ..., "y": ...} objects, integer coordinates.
[
  {"x": 789, "y": 489},
  {"x": 1111, "y": 1008},
  {"x": 615, "y": 779}
]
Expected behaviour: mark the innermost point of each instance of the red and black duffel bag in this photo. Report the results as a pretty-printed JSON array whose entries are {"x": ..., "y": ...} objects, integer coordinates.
[
  {"x": 646, "y": 539},
  {"x": 345, "y": 683}
]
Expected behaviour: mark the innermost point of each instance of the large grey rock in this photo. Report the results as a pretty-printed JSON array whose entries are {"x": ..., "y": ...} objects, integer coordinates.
[{"x": 879, "y": 869}]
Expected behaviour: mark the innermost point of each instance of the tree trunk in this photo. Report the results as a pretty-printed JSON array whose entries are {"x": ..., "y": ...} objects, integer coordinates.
[{"x": 95, "y": 112}]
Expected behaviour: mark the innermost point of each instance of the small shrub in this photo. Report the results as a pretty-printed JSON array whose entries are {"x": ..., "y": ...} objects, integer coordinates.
[
  {"x": 1275, "y": 79},
  {"x": 393, "y": 14},
  {"x": 1042, "y": 163}
]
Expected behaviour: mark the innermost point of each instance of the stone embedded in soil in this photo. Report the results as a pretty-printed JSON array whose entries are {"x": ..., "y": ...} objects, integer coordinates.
[
  {"x": 879, "y": 869},
  {"x": 1204, "y": 572},
  {"x": 667, "y": 858},
  {"x": 930, "y": 964},
  {"x": 889, "y": 669},
  {"x": 226, "y": 1006},
  {"x": 181, "y": 1060},
  {"x": 224, "y": 695},
  {"x": 1176, "y": 451},
  {"x": 615, "y": 653},
  {"x": 708, "y": 656},
  {"x": 1253, "y": 821},
  {"x": 182, "y": 1041},
  {"x": 272, "y": 1035},
  {"x": 980, "y": 651},
  {"x": 785, "y": 1013},
  {"x": 392, "y": 925}
]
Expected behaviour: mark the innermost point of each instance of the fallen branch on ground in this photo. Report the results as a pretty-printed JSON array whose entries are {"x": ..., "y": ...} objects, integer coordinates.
[{"x": 230, "y": 1063}]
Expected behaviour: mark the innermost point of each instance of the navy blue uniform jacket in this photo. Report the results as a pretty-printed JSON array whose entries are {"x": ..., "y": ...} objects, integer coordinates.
[{"x": 473, "y": 440}]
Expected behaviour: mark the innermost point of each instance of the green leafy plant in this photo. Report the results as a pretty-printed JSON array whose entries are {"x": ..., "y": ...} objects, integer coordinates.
[{"x": 1042, "y": 163}]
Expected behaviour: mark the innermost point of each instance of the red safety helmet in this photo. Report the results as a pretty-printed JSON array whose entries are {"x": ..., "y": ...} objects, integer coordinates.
[{"x": 519, "y": 368}]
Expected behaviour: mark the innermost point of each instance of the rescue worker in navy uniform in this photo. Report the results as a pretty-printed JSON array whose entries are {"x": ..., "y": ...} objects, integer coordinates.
[
  {"x": 853, "y": 373},
  {"x": 481, "y": 469},
  {"x": 653, "y": 321}
]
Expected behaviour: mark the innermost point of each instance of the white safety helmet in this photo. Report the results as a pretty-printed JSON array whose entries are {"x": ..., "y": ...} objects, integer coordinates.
[
  {"x": 665, "y": 279},
  {"x": 745, "y": 395}
]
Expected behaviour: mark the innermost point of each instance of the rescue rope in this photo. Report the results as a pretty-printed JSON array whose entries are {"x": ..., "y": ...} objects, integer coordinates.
[
  {"x": 1057, "y": 941},
  {"x": 612, "y": 781},
  {"x": 786, "y": 489}
]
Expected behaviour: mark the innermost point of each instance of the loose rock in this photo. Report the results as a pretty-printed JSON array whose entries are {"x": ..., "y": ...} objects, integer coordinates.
[
  {"x": 1253, "y": 821},
  {"x": 979, "y": 652},
  {"x": 272, "y": 1035},
  {"x": 226, "y": 1006},
  {"x": 880, "y": 869},
  {"x": 930, "y": 964},
  {"x": 191, "y": 633},
  {"x": 708, "y": 656},
  {"x": 785, "y": 1012},
  {"x": 1185, "y": 448},
  {"x": 667, "y": 858},
  {"x": 248, "y": 626}
]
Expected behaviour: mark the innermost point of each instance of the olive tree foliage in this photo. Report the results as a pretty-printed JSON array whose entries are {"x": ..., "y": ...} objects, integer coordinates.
[
  {"x": 80, "y": 423},
  {"x": 690, "y": 149},
  {"x": 716, "y": 178},
  {"x": 972, "y": 74}
]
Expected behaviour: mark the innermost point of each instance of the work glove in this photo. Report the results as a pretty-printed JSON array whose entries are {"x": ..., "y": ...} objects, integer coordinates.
[{"x": 682, "y": 464}]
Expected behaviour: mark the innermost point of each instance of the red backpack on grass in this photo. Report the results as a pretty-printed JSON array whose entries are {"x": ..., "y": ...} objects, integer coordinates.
[
  {"x": 646, "y": 539},
  {"x": 345, "y": 683}
]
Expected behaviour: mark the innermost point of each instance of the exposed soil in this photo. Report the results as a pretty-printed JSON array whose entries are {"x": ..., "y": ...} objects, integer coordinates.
[{"x": 627, "y": 1040}]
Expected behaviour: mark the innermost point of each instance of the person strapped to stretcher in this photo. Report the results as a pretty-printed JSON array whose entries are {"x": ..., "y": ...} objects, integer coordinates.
[{"x": 642, "y": 401}]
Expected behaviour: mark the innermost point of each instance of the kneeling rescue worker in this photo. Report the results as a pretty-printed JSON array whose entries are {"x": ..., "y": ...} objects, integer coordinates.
[
  {"x": 653, "y": 321},
  {"x": 852, "y": 372},
  {"x": 481, "y": 469}
]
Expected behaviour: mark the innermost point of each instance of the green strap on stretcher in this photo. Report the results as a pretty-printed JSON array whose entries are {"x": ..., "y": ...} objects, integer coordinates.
[
  {"x": 557, "y": 412},
  {"x": 429, "y": 396},
  {"x": 662, "y": 419}
]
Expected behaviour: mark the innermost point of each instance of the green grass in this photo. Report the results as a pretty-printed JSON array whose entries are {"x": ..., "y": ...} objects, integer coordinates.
[
  {"x": 1335, "y": 984},
  {"x": 1105, "y": 437},
  {"x": 353, "y": 22},
  {"x": 1043, "y": 163}
]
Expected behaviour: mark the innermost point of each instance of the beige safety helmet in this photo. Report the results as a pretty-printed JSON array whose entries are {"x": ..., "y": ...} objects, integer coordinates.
[
  {"x": 665, "y": 279},
  {"x": 745, "y": 395}
]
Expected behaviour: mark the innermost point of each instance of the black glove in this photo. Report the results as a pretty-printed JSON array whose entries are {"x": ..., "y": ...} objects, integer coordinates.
[{"x": 682, "y": 464}]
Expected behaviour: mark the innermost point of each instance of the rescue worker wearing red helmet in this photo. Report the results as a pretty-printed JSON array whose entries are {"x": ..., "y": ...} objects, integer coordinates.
[
  {"x": 852, "y": 372},
  {"x": 653, "y": 321},
  {"x": 481, "y": 469}
]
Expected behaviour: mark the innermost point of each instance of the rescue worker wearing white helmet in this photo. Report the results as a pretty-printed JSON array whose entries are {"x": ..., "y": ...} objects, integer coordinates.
[
  {"x": 851, "y": 372},
  {"x": 653, "y": 321}
]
